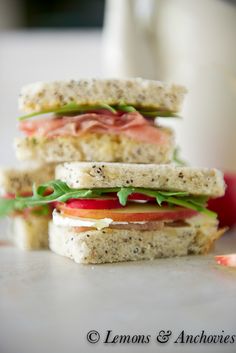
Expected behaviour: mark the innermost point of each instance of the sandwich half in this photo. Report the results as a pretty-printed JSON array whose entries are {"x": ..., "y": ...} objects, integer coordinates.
[
  {"x": 110, "y": 212},
  {"x": 126, "y": 212},
  {"x": 107, "y": 120},
  {"x": 29, "y": 225}
]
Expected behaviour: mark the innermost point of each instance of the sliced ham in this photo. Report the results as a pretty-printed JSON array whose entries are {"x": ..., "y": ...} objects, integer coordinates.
[{"x": 133, "y": 125}]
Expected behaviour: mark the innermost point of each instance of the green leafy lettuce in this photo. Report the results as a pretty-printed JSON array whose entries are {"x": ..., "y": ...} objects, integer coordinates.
[
  {"x": 61, "y": 192},
  {"x": 177, "y": 159},
  {"x": 75, "y": 108}
]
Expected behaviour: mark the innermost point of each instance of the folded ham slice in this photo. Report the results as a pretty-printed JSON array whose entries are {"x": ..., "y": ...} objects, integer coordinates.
[{"x": 133, "y": 125}]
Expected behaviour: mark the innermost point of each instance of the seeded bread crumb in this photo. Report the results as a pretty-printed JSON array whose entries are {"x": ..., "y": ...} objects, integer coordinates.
[
  {"x": 16, "y": 181},
  {"x": 41, "y": 96},
  {"x": 196, "y": 181},
  {"x": 94, "y": 147},
  {"x": 111, "y": 245},
  {"x": 30, "y": 233}
]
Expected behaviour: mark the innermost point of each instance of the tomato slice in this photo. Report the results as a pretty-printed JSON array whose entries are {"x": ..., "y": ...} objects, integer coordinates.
[
  {"x": 98, "y": 204},
  {"x": 140, "y": 197},
  {"x": 135, "y": 197},
  {"x": 130, "y": 213}
]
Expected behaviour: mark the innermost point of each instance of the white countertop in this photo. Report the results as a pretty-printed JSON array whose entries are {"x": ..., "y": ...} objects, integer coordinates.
[{"x": 48, "y": 303}]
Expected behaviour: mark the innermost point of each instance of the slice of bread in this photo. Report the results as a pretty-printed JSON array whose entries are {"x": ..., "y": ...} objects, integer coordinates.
[
  {"x": 31, "y": 233},
  {"x": 196, "y": 181},
  {"x": 94, "y": 147},
  {"x": 42, "y": 96},
  {"x": 16, "y": 181},
  {"x": 115, "y": 245}
]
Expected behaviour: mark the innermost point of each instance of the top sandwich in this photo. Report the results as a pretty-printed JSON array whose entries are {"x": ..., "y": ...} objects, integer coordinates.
[{"x": 109, "y": 120}]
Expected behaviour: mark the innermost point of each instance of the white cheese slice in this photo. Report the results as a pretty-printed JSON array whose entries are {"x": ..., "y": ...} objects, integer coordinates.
[
  {"x": 65, "y": 221},
  {"x": 60, "y": 220}
]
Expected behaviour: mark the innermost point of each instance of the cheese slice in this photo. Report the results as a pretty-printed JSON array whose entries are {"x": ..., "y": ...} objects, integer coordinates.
[{"x": 65, "y": 221}]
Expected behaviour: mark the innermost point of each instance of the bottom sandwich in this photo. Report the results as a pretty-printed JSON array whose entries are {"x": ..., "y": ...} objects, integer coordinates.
[{"x": 109, "y": 212}]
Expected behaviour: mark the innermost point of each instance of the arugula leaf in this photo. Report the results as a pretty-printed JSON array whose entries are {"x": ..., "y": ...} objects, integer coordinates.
[
  {"x": 158, "y": 113},
  {"x": 77, "y": 108},
  {"x": 6, "y": 206},
  {"x": 44, "y": 210},
  {"x": 177, "y": 159},
  {"x": 189, "y": 203},
  {"x": 61, "y": 192},
  {"x": 123, "y": 194},
  {"x": 70, "y": 108},
  {"x": 125, "y": 108}
]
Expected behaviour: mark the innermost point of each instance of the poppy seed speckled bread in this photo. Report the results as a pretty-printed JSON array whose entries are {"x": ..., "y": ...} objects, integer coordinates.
[
  {"x": 197, "y": 181},
  {"x": 30, "y": 229},
  {"x": 114, "y": 245},
  {"x": 30, "y": 233},
  {"x": 94, "y": 147},
  {"x": 41, "y": 96},
  {"x": 16, "y": 180}
]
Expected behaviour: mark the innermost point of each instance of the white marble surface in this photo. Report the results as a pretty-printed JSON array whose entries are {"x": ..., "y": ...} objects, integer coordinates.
[{"x": 48, "y": 303}]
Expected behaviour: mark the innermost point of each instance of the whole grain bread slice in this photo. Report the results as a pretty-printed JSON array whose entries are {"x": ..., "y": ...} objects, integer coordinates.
[
  {"x": 21, "y": 180},
  {"x": 138, "y": 92},
  {"x": 115, "y": 245},
  {"x": 196, "y": 181},
  {"x": 30, "y": 233},
  {"x": 94, "y": 147}
]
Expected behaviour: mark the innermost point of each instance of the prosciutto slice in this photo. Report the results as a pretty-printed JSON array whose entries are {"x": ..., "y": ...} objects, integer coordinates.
[{"x": 133, "y": 125}]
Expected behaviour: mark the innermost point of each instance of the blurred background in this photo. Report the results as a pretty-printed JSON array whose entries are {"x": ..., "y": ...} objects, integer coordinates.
[{"x": 184, "y": 41}]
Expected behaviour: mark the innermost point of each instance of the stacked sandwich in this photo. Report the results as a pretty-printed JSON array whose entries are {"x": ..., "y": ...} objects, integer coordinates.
[
  {"x": 142, "y": 206},
  {"x": 87, "y": 120}
]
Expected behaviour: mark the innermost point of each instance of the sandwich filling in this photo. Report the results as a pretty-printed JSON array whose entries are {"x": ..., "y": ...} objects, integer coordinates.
[
  {"x": 122, "y": 207},
  {"x": 73, "y": 120},
  {"x": 25, "y": 212}
]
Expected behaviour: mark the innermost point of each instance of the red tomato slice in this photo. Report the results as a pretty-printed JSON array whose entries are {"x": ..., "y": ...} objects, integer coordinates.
[
  {"x": 96, "y": 204},
  {"x": 140, "y": 197},
  {"x": 136, "y": 197},
  {"x": 131, "y": 213}
]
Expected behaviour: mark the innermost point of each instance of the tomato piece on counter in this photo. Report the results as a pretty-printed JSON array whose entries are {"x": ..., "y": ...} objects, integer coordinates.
[
  {"x": 226, "y": 260},
  {"x": 130, "y": 213}
]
